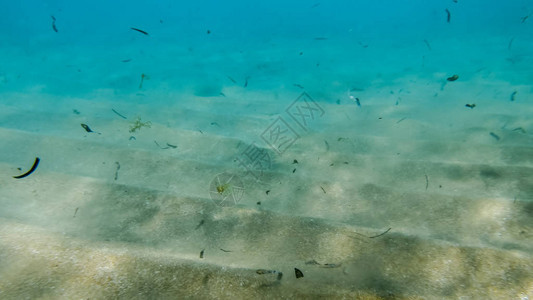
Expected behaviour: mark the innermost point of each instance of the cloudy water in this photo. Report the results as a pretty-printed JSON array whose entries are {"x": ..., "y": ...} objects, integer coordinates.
[{"x": 266, "y": 149}]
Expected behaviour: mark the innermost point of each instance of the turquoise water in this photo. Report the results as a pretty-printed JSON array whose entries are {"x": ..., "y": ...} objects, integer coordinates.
[{"x": 382, "y": 148}]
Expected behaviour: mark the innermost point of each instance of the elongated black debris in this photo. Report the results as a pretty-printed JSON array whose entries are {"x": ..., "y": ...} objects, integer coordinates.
[
  {"x": 202, "y": 222},
  {"x": 35, "y": 164},
  {"x": 161, "y": 147},
  {"x": 328, "y": 265},
  {"x": 494, "y": 135},
  {"x": 375, "y": 236},
  {"x": 118, "y": 114},
  {"x": 231, "y": 79},
  {"x": 139, "y": 30},
  {"x": 116, "y": 171},
  {"x": 427, "y": 44},
  {"x": 54, "y": 23}
]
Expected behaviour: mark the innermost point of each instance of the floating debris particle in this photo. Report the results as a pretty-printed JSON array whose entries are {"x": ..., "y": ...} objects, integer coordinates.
[
  {"x": 231, "y": 79},
  {"x": 510, "y": 43},
  {"x": 513, "y": 95},
  {"x": 116, "y": 171},
  {"x": 471, "y": 106},
  {"x": 356, "y": 100},
  {"x": 453, "y": 78},
  {"x": 522, "y": 130},
  {"x": 54, "y": 23},
  {"x": 295, "y": 161},
  {"x": 448, "y": 15},
  {"x": 298, "y": 273},
  {"x": 33, "y": 167},
  {"x": 494, "y": 135},
  {"x": 427, "y": 44},
  {"x": 118, "y": 114},
  {"x": 263, "y": 272},
  {"x": 76, "y": 211},
  {"x": 75, "y": 111},
  {"x": 160, "y": 145},
  {"x": 330, "y": 265},
  {"x": 88, "y": 129},
  {"x": 143, "y": 76},
  {"x": 139, "y": 30},
  {"x": 375, "y": 236},
  {"x": 202, "y": 222},
  {"x": 137, "y": 124},
  {"x": 202, "y": 253}
]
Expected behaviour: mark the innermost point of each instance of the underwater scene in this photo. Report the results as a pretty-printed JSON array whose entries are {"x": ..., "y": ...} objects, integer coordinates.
[{"x": 266, "y": 149}]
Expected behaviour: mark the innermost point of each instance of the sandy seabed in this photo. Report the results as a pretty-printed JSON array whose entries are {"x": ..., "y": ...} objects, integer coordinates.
[{"x": 407, "y": 194}]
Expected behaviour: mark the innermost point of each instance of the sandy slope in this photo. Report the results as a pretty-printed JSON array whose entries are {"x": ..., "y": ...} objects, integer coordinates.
[{"x": 411, "y": 158}]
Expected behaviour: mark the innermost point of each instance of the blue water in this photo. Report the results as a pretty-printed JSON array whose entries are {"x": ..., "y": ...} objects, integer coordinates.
[
  {"x": 410, "y": 119},
  {"x": 97, "y": 35}
]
